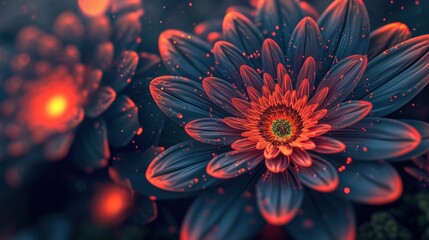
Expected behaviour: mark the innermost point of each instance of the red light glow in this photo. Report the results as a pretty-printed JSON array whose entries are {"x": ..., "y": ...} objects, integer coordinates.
[{"x": 93, "y": 7}]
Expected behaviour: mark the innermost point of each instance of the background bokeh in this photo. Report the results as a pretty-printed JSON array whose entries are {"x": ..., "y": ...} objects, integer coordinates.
[{"x": 56, "y": 204}]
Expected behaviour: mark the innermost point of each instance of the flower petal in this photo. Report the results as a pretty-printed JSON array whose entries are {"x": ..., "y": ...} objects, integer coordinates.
[
  {"x": 122, "y": 121},
  {"x": 301, "y": 157},
  {"x": 423, "y": 129},
  {"x": 250, "y": 77},
  {"x": 395, "y": 77},
  {"x": 320, "y": 176},
  {"x": 278, "y": 164},
  {"x": 212, "y": 131},
  {"x": 327, "y": 145},
  {"x": 220, "y": 92},
  {"x": 182, "y": 168},
  {"x": 386, "y": 37},
  {"x": 229, "y": 59},
  {"x": 308, "y": 71},
  {"x": 129, "y": 168},
  {"x": 271, "y": 151},
  {"x": 377, "y": 138},
  {"x": 279, "y": 197},
  {"x": 277, "y": 19},
  {"x": 122, "y": 71},
  {"x": 345, "y": 30},
  {"x": 185, "y": 54},
  {"x": 234, "y": 163},
  {"x": 91, "y": 149},
  {"x": 306, "y": 41},
  {"x": 346, "y": 114},
  {"x": 182, "y": 100},
  {"x": 272, "y": 56},
  {"x": 323, "y": 217},
  {"x": 58, "y": 147},
  {"x": 240, "y": 31},
  {"x": 232, "y": 204},
  {"x": 370, "y": 183},
  {"x": 100, "y": 102},
  {"x": 342, "y": 78},
  {"x": 309, "y": 10}
]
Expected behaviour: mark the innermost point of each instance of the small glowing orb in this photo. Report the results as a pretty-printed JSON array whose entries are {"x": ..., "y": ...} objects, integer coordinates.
[
  {"x": 110, "y": 204},
  {"x": 93, "y": 7},
  {"x": 56, "y": 106}
]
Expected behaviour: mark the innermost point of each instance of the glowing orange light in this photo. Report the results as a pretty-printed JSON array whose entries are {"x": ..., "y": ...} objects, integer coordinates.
[
  {"x": 56, "y": 106},
  {"x": 110, "y": 204},
  {"x": 346, "y": 190},
  {"x": 93, "y": 7}
]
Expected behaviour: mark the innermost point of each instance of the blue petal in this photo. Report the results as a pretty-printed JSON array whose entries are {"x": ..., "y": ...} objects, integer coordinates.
[
  {"x": 323, "y": 217},
  {"x": 100, "y": 102},
  {"x": 320, "y": 176},
  {"x": 278, "y": 18},
  {"x": 377, "y": 138},
  {"x": 395, "y": 77},
  {"x": 91, "y": 147},
  {"x": 183, "y": 100},
  {"x": 122, "y": 121},
  {"x": 345, "y": 30},
  {"x": 185, "y": 54},
  {"x": 129, "y": 169},
  {"x": 182, "y": 168},
  {"x": 423, "y": 129},
  {"x": 122, "y": 71},
  {"x": 279, "y": 197},
  {"x": 228, "y": 212},
  {"x": 272, "y": 56},
  {"x": 306, "y": 41},
  {"x": 369, "y": 183},
  {"x": 212, "y": 131},
  {"x": 386, "y": 37}
]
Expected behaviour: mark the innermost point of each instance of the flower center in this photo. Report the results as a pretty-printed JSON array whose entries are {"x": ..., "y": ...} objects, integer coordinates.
[
  {"x": 280, "y": 125},
  {"x": 281, "y": 128}
]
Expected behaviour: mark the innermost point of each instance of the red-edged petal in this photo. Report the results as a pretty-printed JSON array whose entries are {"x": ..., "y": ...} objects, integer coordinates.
[
  {"x": 301, "y": 158},
  {"x": 271, "y": 151},
  {"x": 347, "y": 113},
  {"x": 327, "y": 145},
  {"x": 386, "y": 37},
  {"x": 279, "y": 197},
  {"x": 212, "y": 131},
  {"x": 234, "y": 163},
  {"x": 278, "y": 164},
  {"x": 272, "y": 56},
  {"x": 320, "y": 176}
]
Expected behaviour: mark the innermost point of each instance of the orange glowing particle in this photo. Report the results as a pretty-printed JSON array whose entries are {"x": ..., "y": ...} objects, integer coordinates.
[
  {"x": 346, "y": 190},
  {"x": 110, "y": 204},
  {"x": 93, "y": 7},
  {"x": 56, "y": 106}
]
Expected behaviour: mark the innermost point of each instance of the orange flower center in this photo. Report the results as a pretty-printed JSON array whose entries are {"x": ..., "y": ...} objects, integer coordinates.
[{"x": 280, "y": 125}]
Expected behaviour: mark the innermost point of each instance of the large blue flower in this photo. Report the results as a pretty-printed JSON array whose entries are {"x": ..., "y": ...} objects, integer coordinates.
[{"x": 307, "y": 99}]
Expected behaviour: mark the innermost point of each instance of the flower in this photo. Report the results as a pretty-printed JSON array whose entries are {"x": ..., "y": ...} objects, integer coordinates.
[
  {"x": 289, "y": 111},
  {"x": 67, "y": 90}
]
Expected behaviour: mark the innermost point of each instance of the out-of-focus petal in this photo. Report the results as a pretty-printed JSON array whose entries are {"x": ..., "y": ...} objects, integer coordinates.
[
  {"x": 234, "y": 163},
  {"x": 91, "y": 149},
  {"x": 320, "y": 176},
  {"x": 185, "y": 54},
  {"x": 277, "y": 19},
  {"x": 369, "y": 183},
  {"x": 378, "y": 138},
  {"x": 423, "y": 129},
  {"x": 395, "y": 77},
  {"x": 309, "y": 10},
  {"x": 386, "y": 37},
  {"x": 306, "y": 41},
  {"x": 182, "y": 100},
  {"x": 221, "y": 92},
  {"x": 182, "y": 168},
  {"x": 122, "y": 121},
  {"x": 227, "y": 212},
  {"x": 124, "y": 69},
  {"x": 279, "y": 197},
  {"x": 58, "y": 147},
  {"x": 345, "y": 30},
  {"x": 100, "y": 102},
  {"x": 342, "y": 79},
  {"x": 323, "y": 217},
  {"x": 212, "y": 131},
  {"x": 346, "y": 114}
]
